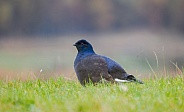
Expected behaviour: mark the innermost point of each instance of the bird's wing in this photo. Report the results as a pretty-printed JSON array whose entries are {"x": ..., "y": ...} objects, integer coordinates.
[
  {"x": 115, "y": 69},
  {"x": 117, "y": 72},
  {"x": 94, "y": 67}
]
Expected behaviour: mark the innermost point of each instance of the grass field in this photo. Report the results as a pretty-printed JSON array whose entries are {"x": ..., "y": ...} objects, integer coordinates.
[{"x": 59, "y": 95}]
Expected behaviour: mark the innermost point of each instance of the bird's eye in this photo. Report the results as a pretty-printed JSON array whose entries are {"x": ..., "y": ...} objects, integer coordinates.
[{"x": 82, "y": 43}]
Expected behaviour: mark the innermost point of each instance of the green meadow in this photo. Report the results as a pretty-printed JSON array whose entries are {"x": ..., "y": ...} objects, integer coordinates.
[{"x": 60, "y": 95}]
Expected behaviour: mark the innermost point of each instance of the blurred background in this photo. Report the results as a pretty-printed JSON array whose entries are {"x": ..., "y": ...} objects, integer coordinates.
[{"x": 144, "y": 36}]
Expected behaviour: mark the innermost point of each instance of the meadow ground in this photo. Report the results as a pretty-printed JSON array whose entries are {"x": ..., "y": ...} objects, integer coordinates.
[{"x": 58, "y": 95}]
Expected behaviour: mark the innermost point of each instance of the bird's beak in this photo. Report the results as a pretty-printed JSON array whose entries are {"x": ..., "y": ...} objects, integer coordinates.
[{"x": 74, "y": 44}]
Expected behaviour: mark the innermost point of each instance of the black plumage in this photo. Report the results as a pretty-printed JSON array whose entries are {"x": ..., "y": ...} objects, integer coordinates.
[{"x": 90, "y": 66}]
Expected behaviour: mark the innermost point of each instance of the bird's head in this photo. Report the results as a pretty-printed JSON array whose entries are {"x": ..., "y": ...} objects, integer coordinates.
[{"x": 83, "y": 46}]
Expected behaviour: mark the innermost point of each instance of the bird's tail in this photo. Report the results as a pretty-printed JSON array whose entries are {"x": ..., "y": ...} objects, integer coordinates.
[{"x": 131, "y": 78}]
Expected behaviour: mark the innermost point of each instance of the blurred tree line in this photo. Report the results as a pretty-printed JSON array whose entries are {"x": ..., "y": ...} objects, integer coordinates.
[{"x": 37, "y": 17}]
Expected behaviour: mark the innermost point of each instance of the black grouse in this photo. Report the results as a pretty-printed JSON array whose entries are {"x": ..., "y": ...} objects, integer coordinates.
[{"x": 90, "y": 66}]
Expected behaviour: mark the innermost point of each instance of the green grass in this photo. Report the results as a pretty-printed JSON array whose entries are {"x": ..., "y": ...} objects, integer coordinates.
[{"x": 59, "y": 95}]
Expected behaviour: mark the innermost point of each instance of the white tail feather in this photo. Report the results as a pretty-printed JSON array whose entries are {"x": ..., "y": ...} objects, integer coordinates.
[{"x": 123, "y": 81}]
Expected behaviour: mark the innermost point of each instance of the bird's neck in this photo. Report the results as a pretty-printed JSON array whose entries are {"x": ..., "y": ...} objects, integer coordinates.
[
  {"x": 83, "y": 54},
  {"x": 88, "y": 50}
]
